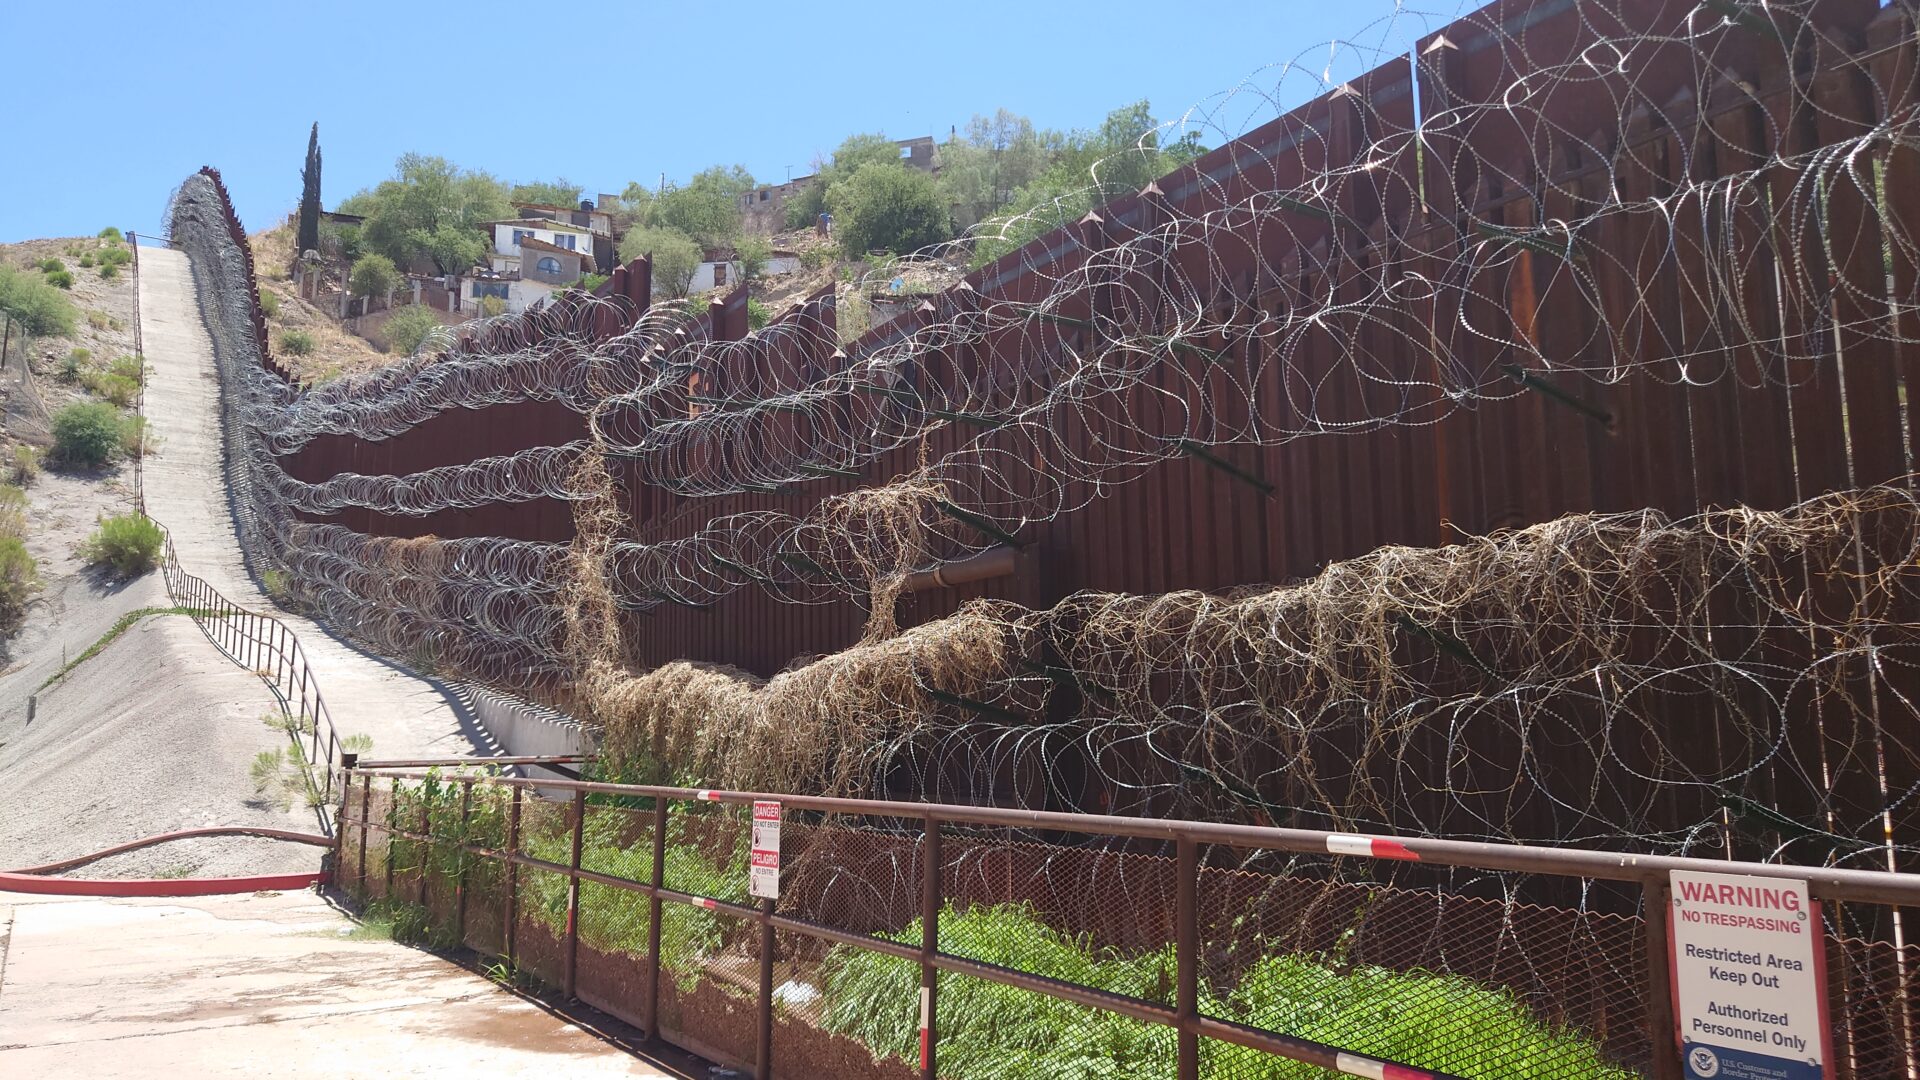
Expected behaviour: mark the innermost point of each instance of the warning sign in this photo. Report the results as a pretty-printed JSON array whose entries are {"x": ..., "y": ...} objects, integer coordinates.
[
  {"x": 1749, "y": 985},
  {"x": 763, "y": 874}
]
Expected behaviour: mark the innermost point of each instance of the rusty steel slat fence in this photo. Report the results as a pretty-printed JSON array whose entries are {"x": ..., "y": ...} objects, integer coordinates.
[{"x": 965, "y": 941}]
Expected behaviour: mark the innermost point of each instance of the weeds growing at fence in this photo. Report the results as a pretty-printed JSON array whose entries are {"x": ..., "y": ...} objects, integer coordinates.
[
  {"x": 120, "y": 627},
  {"x": 993, "y": 1032},
  {"x": 128, "y": 543}
]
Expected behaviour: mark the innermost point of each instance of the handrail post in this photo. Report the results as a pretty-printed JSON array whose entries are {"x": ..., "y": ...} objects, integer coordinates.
[
  {"x": 460, "y": 881},
  {"x": 393, "y": 827},
  {"x": 366, "y": 800},
  {"x": 1656, "y": 904},
  {"x": 653, "y": 914},
  {"x": 570, "y": 975},
  {"x": 513, "y": 873},
  {"x": 1186, "y": 953},
  {"x": 929, "y": 946},
  {"x": 340, "y": 822},
  {"x": 425, "y": 846},
  {"x": 763, "y": 1051}
]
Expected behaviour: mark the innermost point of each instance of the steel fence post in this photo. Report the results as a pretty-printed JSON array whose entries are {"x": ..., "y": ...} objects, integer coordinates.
[
  {"x": 460, "y": 882},
  {"x": 653, "y": 915},
  {"x": 570, "y": 978},
  {"x": 366, "y": 800},
  {"x": 393, "y": 825},
  {"x": 1657, "y": 905},
  {"x": 513, "y": 873},
  {"x": 929, "y": 946},
  {"x": 424, "y": 847},
  {"x": 340, "y": 822},
  {"x": 763, "y": 1052},
  {"x": 1186, "y": 952}
]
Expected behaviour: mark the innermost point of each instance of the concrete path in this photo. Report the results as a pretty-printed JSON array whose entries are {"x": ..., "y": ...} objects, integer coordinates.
[
  {"x": 406, "y": 716},
  {"x": 267, "y": 985}
]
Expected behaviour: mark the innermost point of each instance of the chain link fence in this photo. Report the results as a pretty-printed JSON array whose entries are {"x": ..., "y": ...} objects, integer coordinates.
[{"x": 965, "y": 942}]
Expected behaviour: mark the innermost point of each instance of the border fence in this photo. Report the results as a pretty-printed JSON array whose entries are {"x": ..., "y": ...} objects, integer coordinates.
[{"x": 1061, "y": 940}]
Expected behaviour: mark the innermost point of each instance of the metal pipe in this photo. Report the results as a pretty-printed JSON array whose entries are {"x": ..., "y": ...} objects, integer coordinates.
[
  {"x": 763, "y": 1050},
  {"x": 653, "y": 916},
  {"x": 995, "y": 562},
  {"x": 513, "y": 873},
  {"x": 1186, "y": 953}
]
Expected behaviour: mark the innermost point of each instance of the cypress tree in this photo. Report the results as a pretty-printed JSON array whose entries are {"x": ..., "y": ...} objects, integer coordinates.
[{"x": 309, "y": 232}]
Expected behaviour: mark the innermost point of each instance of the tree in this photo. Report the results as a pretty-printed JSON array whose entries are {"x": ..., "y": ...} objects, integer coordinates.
[
  {"x": 888, "y": 206},
  {"x": 675, "y": 258},
  {"x": 557, "y": 192},
  {"x": 999, "y": 155},
  {"x": 307, "y": 236},
  {"x": 751, "y": 254},
  {"x": 408, "y": 327},
  {"x": 858, "y": 150},
  {"x": 373, "y": 275},
  {"x": 707, "y": 208},
  {"x": 414, "y": 217}
]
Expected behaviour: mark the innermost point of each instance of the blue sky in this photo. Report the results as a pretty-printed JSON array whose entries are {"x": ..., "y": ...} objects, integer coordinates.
[{"x": 115, "y": 103}]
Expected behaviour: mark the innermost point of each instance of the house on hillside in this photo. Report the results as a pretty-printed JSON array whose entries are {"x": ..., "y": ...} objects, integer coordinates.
[
  {"x": 507, "y": 236},
  {"x": 720, "y": 267},
  {"x": 598, "y": 222},
  {"x": 532, "y": 258},
  {"x": 763, "y": 210}
]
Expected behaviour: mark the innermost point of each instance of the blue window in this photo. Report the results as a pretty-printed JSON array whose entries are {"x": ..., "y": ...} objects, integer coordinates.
[
  {"x": 549, "y": 265},
  {"x": 520, "y": 235}
]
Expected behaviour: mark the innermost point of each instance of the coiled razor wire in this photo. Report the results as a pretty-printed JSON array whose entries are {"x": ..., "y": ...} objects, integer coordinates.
[{"x": 1197, "y": 320}]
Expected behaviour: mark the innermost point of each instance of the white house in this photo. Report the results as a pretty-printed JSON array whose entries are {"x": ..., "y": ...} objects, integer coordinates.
[
  {"x": 720, "y": 268},
  {"x": 510, "y": 233}
]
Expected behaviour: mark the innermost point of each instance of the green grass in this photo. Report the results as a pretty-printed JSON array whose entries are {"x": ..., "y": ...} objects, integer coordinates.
[
  {"x": 118, "y": 628},
  {"x": 994, "y": 1032},
  {"x": 296, "y": 342},
  {"x": 44, "y": 310}
]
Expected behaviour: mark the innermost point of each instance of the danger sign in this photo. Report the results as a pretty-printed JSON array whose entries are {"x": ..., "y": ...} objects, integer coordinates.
[
  {"x": 1748, "y": 980},
  {"x": 763, "y": 872}
]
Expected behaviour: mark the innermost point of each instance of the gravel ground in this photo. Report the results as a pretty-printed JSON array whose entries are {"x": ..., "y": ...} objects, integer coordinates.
[{"x": 152, "y": 735}]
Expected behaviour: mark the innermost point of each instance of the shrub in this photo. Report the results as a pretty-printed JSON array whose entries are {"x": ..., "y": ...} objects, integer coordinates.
[
  {"x": 757, "y": 314},
  {"x": 51, "y": 265},
  {"x": 63, "y": 279},
  {"x": 373, "y": 275},
  {"x": 13, "y": 512},
  {"x": 109, "y": 272},
  {"x": 296, "y": 342},
  {"x": 86, "y": 260},
  {"x": 111, "y": 233},
  {"x": 492, "y": 307},
  {"x": 118, "y": 389},
  {"x": 19, "y": 579},
  {"x": 87, "y": 433},
  {"x": 74, "y": 365},
  {"x": 100, "y": 320},
  {"x": 675, "y": 258},
  {"x": 888, "y": 206},
  {"x": 127, "y": 367},
  {"x": 116, "y": 256},
  {"x": 409, "y": 327},
  {"x": 270, "y": 303},
  {"x": 129, "y": 543},
  {"x": 26, "y": 465},
  {"x": 42, "y": 310}
]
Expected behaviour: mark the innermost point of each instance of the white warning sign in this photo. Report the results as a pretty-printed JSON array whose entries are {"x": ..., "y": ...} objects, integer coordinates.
[
  {"x": 1749, "y": 984},
  {"x": 763, "y": 874}
]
